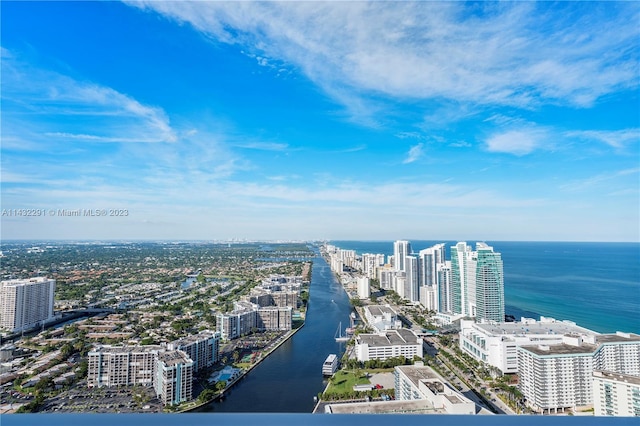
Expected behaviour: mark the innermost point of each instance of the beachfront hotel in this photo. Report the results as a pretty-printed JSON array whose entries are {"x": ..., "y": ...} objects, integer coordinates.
[
  {"x": 495, "y": 343},
  {"x": 27, "y": 303}
]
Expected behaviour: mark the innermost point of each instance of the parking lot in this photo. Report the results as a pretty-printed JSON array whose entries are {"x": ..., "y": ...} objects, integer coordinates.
[{"x": 133, "y": 399}]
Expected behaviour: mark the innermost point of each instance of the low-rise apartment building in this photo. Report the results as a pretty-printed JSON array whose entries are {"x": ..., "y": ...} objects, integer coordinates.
[
  {"x": 418, "y": 382},
  {"x": 388, "y": 344},
  {"x": 381, "y": 317}
]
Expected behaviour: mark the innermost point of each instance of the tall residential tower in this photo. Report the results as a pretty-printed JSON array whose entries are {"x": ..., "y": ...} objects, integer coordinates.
[{"x": 26, "y": 303}]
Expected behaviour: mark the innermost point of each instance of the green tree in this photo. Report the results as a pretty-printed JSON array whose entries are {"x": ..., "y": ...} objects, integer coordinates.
[{"x": 206, "y": 395}]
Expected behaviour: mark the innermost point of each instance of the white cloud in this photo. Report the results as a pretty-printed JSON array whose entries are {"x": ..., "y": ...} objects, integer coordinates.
[
  {"x": 414, "y": 154},
  {"x": 608, "y": 180},
  {"x": 263, "y": 146},
  {"x": 489, "y": 53},
  {"x": 613, "y": 138},
  {"x": 517, "y": 142},
  {"x": 67, "y": 108}
]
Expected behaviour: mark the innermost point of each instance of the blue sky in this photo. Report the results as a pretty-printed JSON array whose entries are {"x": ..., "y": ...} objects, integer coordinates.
[{"x": 309, "y": 120}]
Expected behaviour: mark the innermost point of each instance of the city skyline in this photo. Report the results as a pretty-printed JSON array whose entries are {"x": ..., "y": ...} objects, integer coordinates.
[{"x": 321, "y": 120}]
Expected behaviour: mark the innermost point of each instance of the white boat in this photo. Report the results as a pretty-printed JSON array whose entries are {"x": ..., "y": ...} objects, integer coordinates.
[
  {"x": 330, "y": 365},
  {"x": 339, "y": 337}
]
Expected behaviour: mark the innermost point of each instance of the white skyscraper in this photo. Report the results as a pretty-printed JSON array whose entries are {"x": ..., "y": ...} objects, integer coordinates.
[
  {"x": 370, "y": 263},
  {"x": 430, "y": 258},
  {"x": 445, "y": 303},
  {"x": 412, "y": 284},
  {"x": 364, "y": 288},
  {"x": 26, "y": 303},
  {"x": 401, "y": 249},
  {"x": 462, "y": 284}
]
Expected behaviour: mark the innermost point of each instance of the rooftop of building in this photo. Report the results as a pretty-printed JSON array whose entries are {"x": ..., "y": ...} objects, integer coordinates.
[
  {"x": 173, "y": 358},
  {"x": 416, "y": 406},
  {"x": 531, "y": 327},
  {"x": 401, "y": 336},
  {"x": 25, "y": 281},
  {"x": 417, "y": 373},
  {"x": 624, "y": 378},
  {"x": 127, "y": 349},
  {"x": 617, "y": 337},
  {"x": 379, "y": 310},
  {"x": 203, "y": 335},
  {"x": 583, "y": 347},
  {"x": 561, "y": 349}
]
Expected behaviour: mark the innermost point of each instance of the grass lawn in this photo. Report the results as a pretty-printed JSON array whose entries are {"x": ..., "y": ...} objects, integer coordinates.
[{"x": 344, "y": 381}]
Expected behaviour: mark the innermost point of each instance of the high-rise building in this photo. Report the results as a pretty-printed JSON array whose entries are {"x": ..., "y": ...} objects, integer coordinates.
[
  {"x": 203, "y": 348},
  {"x": 445, "y": 302},
  {"x": 386, "y": 276},
  {"x": 274, "y": 318},
  {"x": 412, "y": 284},
  {"x": 462, "y": 280},
  {"x": 122, "y": 365},
  {"x": 370, "y": 263},
  {"x": 616, "y": 394},
  {"x": 430, "y": 258},
  {"x": 477, "y": 282},
  {"x": 401, "y": 249},
  {"x": 554, "y": 378},
  {"x": 26, "y": 303},
  {"x": 364, "y": 288},
  {"x": 242, "y": 320},
  {"x": 174, "y": 377},
  {"x": 489, "y": 285}
]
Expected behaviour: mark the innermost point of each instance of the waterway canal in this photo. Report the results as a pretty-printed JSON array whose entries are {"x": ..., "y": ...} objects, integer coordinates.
[{"x": 290, "y": 377}]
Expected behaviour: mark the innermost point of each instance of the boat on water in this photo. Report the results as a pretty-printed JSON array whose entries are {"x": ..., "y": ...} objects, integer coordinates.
[
  {"x": 339, "y": 337},
  {"x": 330, "y": 365}
]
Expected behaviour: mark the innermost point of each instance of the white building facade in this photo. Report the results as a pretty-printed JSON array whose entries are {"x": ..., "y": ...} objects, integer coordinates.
[
  {"x": 557, "y": 377},
  {"x": 27, "y": 303},
  {"x": 495, "y": 344},
  {"x": 417, "y": 382},
  {"x": 390, "y": 344},
  {"x": 174, "y": 377},
  {"x": 616, "y": 394},
  {"x": 203, "y": 348}
]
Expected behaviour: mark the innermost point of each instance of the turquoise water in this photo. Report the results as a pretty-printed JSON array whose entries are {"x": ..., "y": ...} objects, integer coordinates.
[{"x": 597, "y": 285}]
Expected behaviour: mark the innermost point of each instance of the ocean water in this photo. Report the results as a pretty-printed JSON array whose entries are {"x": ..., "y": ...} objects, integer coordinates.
[{"x": 596, "y": 285}]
